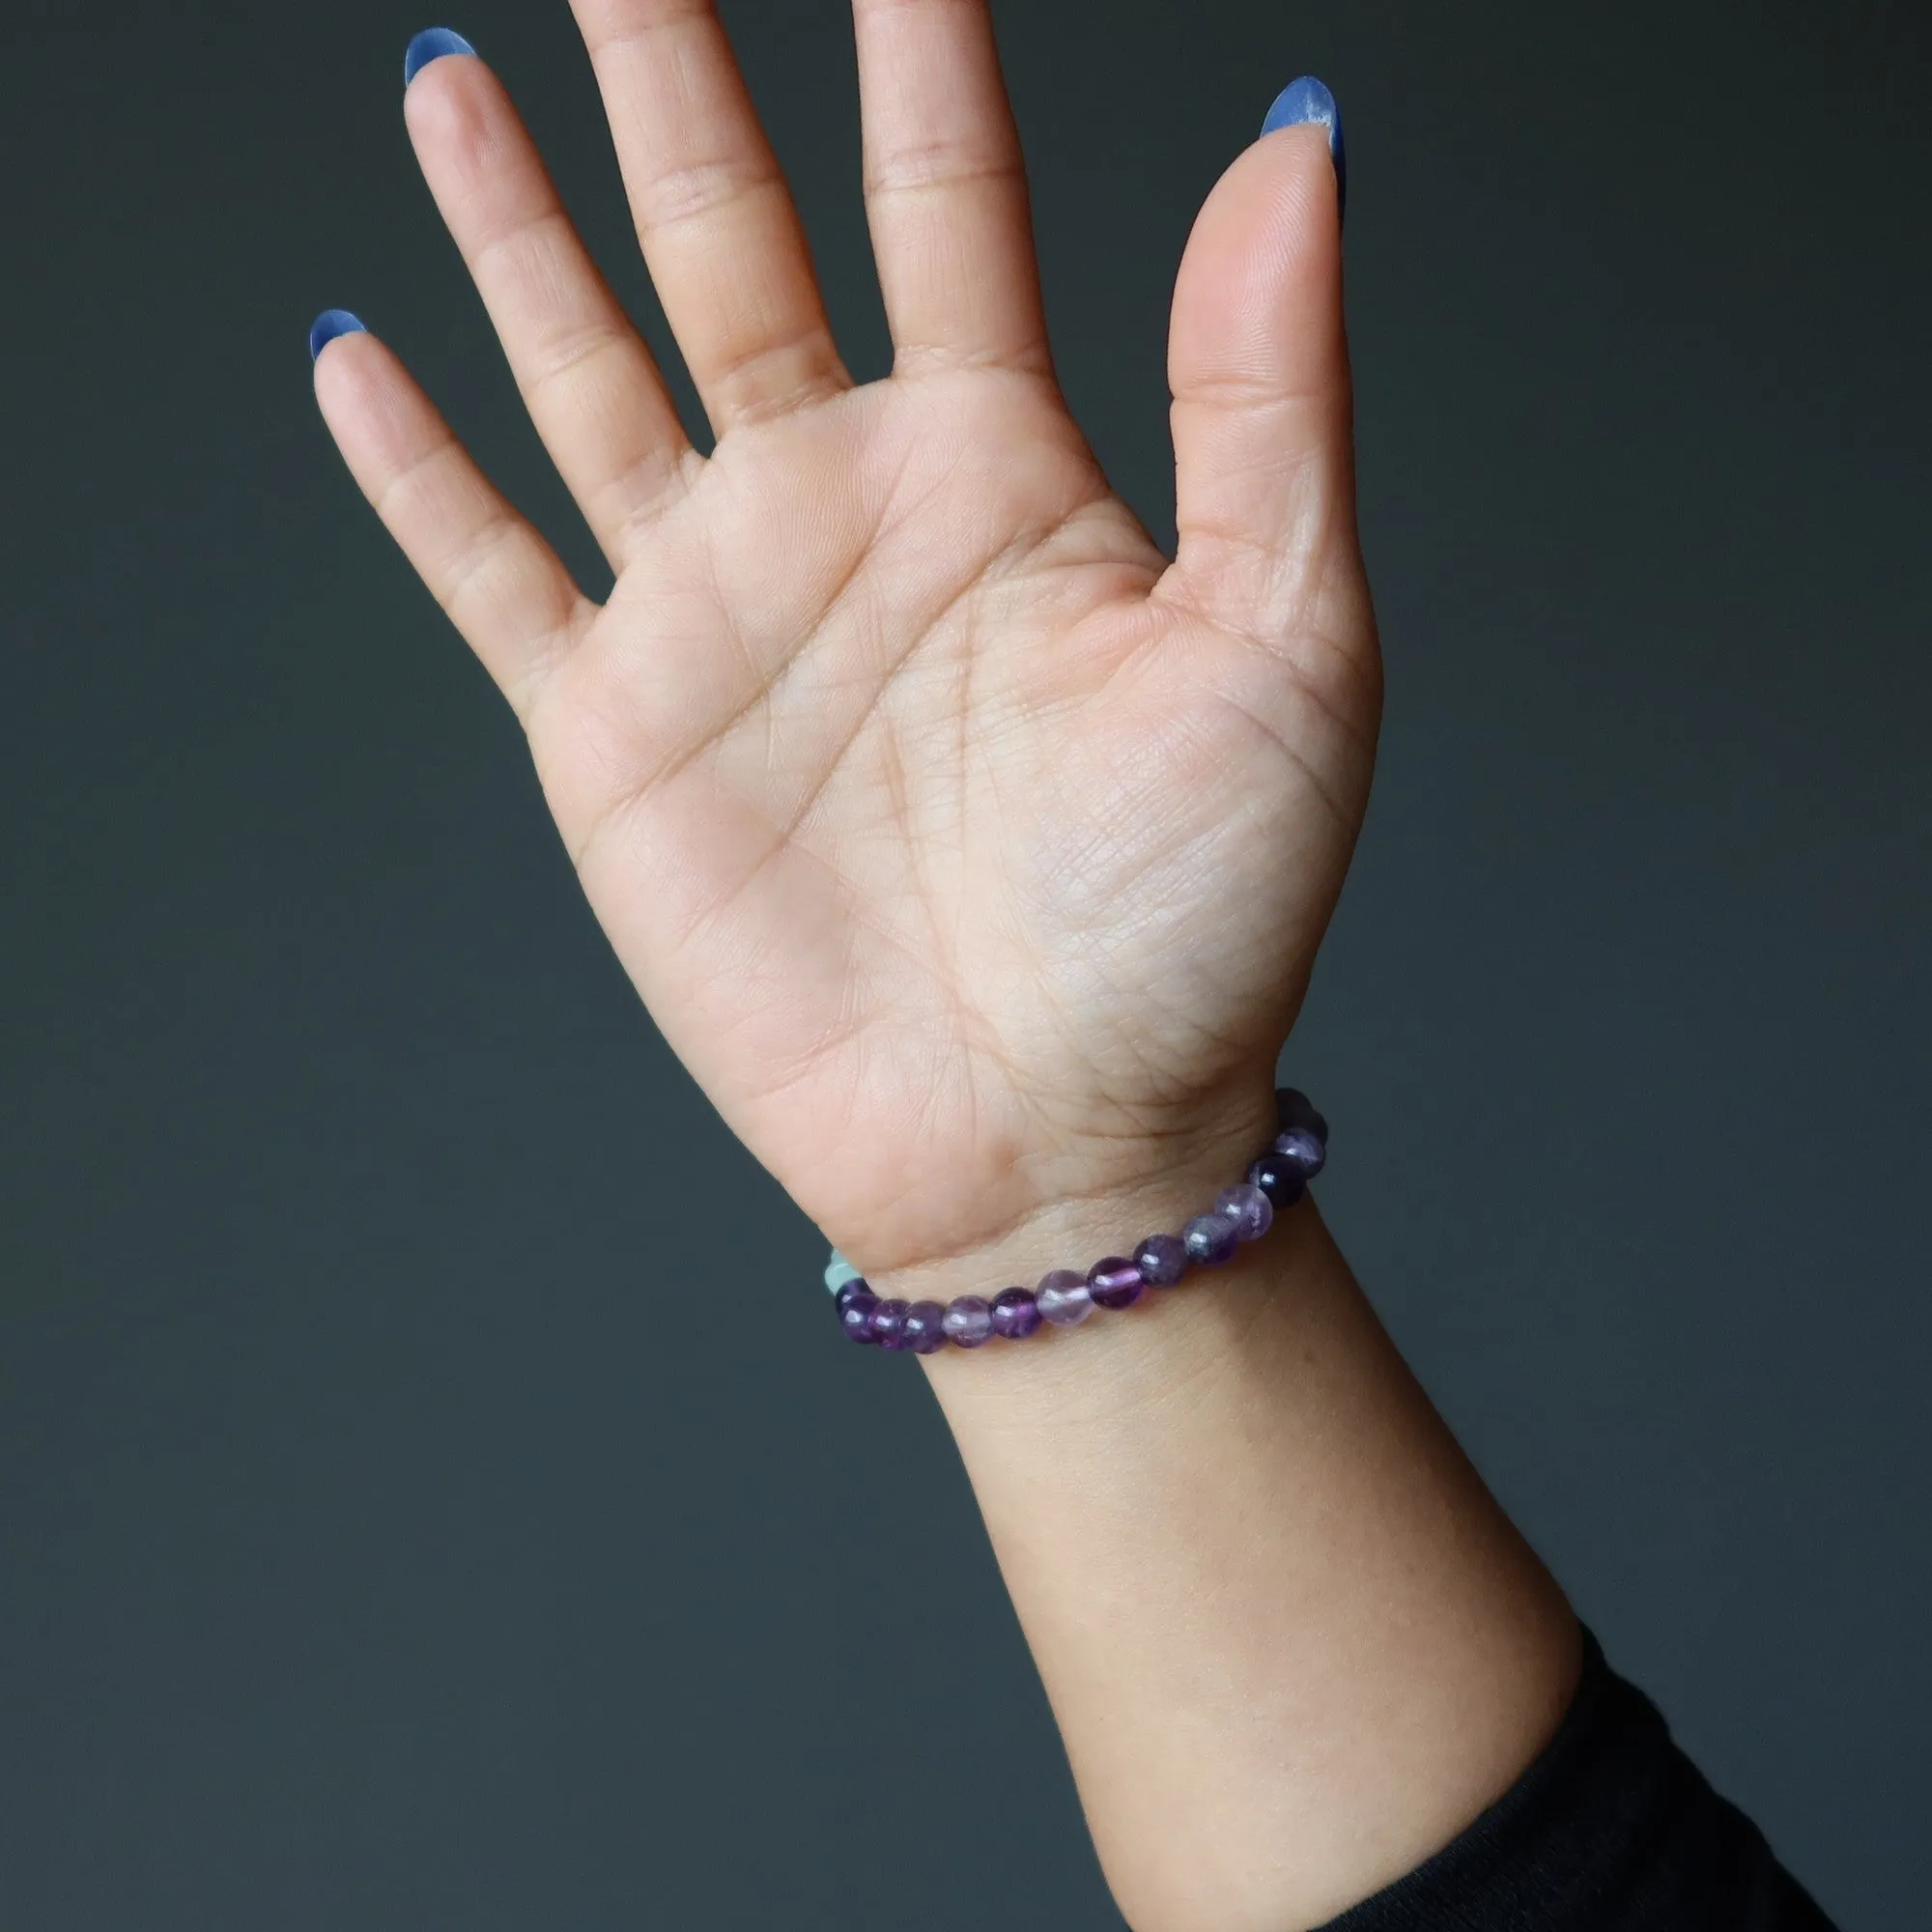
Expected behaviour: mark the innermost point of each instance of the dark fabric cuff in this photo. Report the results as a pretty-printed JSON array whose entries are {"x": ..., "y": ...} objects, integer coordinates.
[{"x": 1611, "y": 1830}]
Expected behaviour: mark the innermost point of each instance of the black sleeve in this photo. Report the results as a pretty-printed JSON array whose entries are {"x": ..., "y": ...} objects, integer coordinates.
[{"x": 1611, "y": 1830}]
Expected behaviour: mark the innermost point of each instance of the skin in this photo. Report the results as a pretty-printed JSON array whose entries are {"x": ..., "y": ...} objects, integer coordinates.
[{"x": 974, "y": 855}]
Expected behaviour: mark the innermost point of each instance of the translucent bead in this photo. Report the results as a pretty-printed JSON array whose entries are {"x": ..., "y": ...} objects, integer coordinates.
[
  {"x": 1015, "y": 1314},
  {"x": 845, "y": 1293},
  {"x": 888, "y": 1319},
  {"x": 1163, "y": 1259},
  {"x": 1064, "y": 1297},
  {"x": 839, "y": 1271},
  {"x": 855, "y": 1314},
  {"x": 1212, "y": 1239},
  {"x": 1293, "y": 1108},
  {"x": 1281, "y": 1183},
  {"x": 969, "y": 1323},
  {"x": 1248, "y": 1206},
  {"x": 1115, "y": 1282},
  {"x": 1303, "y": 1149},
  {"x": 926, "y": 1328}
]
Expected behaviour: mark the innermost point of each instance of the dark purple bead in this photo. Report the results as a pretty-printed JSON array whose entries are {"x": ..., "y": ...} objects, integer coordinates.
[
  {"x": 1293, "y": 1108},
  {"x": 1302, "y": 1150},
  {"x": 855, "y": 1315},
  {"x": 926, "y": 1328},
  {"x": 1247, "y": 1205},
  {"x": 969, "y": 1323},
  {"x": 1015, "y": 1314},
  {"x": 1282, "y": 1184},
  {"x": 850, "y": 1292},
  {"x": 1163, "y": 1259},
  {"x": 888, "y": 1319},
  {"x": 1115, "y": 1282},
  {"x": 1064, "y": 1297},
  {"x": 1212, "y": 1239}
]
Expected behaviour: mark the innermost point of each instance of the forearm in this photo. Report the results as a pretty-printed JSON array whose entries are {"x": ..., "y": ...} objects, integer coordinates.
[{"x": 1291, "y": 1642}]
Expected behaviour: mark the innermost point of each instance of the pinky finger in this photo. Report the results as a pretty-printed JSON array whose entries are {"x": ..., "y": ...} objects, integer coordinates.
[{"x": 501, "y": 584}]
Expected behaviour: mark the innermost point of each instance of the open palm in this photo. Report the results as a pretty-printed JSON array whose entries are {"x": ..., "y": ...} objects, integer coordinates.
[{"x": 970, "y": 854}]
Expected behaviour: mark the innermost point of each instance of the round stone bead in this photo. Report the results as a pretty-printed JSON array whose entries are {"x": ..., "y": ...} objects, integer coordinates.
[
  {"x": 1064, "y": 1297},
  {"x": 1163, "y": 1259},
  {"x": 1212, "y": 1239},
  {"x": 839, "y": 1271},
  {"x": 1247, "y": 1206},
  {"x": 969, "y": 1323},
  {"x": 925, "y": 1327},
  {"x": 1293, "y": 1108},
  {"x": 889, "y": 1320},
  {"x": 1303, "y": 1149},
  {"x": 1015, "y": 1314},
  {"x": 1115, "y": 1282},
  {"x": 1282, "y": 1184},
  {"x": 845, "y": 1292},
  {"x": 855, "y": 1314}
]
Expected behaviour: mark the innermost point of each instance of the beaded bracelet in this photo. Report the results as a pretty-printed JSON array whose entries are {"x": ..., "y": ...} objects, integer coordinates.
[{"x": 1065, "y": 1298}]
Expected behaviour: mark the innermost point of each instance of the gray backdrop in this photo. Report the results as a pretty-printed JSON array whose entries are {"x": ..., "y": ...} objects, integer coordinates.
[{"x": 433, "y": 1492}]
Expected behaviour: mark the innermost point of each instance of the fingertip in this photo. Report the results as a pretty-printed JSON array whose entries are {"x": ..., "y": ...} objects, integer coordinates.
[
  {"x": 1308, "y": 102},
  {"x": 433, "y": 43},
  {"x": 329, "y": 326}
]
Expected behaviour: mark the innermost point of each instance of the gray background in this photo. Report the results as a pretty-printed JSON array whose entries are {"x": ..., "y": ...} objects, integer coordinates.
[{"x": 432, "y": 1493}]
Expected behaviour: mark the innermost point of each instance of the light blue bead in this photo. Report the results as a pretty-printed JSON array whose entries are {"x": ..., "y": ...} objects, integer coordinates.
[{"x": 839, "y": 1273}]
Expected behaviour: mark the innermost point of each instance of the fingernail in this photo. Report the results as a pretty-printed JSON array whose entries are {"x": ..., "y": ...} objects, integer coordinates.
[
  {"x": 1307, "y": 102},
  {"x": 327, "y": 325},
  {"x": 432, "y": 44}
]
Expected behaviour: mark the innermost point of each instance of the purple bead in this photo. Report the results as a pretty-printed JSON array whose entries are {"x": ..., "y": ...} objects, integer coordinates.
[
  {"x": 889, "y": 1320},
  {"x": 1293, "y": 1108},
  {"x": 1065, "y": 1298},
  {"x": 969, "y": 1323},
  {"x": 850, "y": 1292},
  {"x": 926, "y": 1328},
  {"x": 1115, "y": 1282},
  {"x": 1163, "y": 1259},
  {"x": 1302, "y": 1150},
  {"x": 1212, "y": 1239},
  {"x": 1282, "y": 1184},
  {"x": 855, "y": 1315},
  {"x": 1015, "y": 1314},
  {"x": 1248, "y": 1206}
]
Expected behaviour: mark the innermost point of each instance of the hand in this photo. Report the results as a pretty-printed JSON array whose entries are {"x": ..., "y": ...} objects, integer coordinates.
[{"x": 971, "y": 855}]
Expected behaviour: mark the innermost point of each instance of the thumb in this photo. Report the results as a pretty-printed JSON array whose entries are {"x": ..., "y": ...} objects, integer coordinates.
[{"x": 1259, "y": 368}]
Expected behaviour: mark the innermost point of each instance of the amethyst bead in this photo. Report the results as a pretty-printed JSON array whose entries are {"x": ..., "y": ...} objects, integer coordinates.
[
  {"x": 1115, "y": 1282},
  {"x": 969, "y": 1323},
  {"x": 1015, "y": 1314},
  {"x": 849, "y": 1291},
  {"x": 1064, "y": 1297},
  {"x": 1251, "y": 1212},
  {"x": 1293, "y": 1108},
  {"x": 888, "y": 1319},
  {"x": 1281, "y": 1183},
  {"x": 926, "y": 1328},
  {"x": 1212, "y": 1239},
  {"x": 1163, "y": 1259},
  {"x": 1302, "y": 1150},
  {"x": 855, "y": 1314}
]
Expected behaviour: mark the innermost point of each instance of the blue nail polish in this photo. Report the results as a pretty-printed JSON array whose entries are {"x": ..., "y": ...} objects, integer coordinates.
[
  {"x": 328, "y": 324},
  {"x": 432, "y": 44},
  {"x": 1307, "y": 102}
]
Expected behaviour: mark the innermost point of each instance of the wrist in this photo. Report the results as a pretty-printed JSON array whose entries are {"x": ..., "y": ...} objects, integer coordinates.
[{"x": 1165, "y": 1225}]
